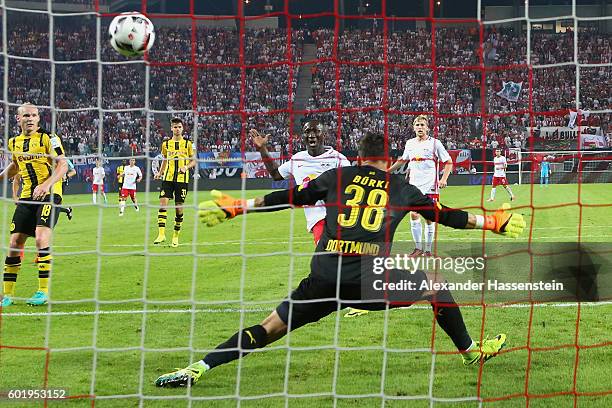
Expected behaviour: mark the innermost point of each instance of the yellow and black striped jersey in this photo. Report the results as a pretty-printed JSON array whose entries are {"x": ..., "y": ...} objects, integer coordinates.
[
  {"x": 34, "y": 157},
  {"x": 120, "y": 173},
  {"x": 178, "y": 153}
]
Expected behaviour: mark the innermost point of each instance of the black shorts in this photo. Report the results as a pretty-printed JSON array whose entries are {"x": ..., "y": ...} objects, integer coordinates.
[
  {"x": 172, "y": 190},
  {"x": 120, "y": 187},
  {"x": 308, "y": 309},
  {"x": 28, "y": 216}
]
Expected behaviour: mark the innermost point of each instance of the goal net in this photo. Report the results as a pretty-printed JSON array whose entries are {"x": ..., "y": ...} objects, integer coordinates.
[
  {"x": 565, "y": 167},
  {"x": 124, "y": 311}
]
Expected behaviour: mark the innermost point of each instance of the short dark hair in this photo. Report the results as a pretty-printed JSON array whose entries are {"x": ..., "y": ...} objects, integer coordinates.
[
  {"x": 313, "y": 124},
  {"x": 176, "y": 120},
  {"x": 372, "y": 146}
]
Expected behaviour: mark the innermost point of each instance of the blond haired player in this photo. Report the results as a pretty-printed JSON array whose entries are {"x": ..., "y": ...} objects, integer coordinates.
[
  {"x": 424, "y": 155},
  {"x": 38, "y": 157}
]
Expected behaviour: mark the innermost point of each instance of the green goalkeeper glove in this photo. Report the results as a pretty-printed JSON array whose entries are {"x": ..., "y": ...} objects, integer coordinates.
[
  {"x": 505, "y": 223},
  {"x": 220, "y": 208}
]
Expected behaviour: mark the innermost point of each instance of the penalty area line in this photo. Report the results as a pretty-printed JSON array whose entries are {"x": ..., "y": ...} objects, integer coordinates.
[{"x": 261, "y": 309}]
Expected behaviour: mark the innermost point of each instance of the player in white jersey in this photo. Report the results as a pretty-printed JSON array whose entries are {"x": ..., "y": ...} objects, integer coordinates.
[
  {"x": 499, "y": 175},
  {"x": 305, "y": 166},
  {"x": 131, "y": 176},
  {"x": 98, "y": 182},
  {"x": 423, "y": 154}
]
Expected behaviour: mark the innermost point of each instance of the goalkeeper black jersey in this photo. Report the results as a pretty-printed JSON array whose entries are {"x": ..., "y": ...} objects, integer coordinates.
[{"x": 364, "y": 208}]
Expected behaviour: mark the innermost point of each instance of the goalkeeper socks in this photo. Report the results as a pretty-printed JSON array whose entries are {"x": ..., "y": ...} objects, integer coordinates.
[
  {"x": 493, "y": 193},
  {"x": 415, "y": 226},
  {"x": 430, "y": 233},
  {"x": 12, "y": 264},
  {"x": 450, "y": 319},
  {"x": 178, "y": 222},
  {"x": 250, "y": 338},
  {"x": 162, "y": 215},
  {"x": 44, "y": 268}
]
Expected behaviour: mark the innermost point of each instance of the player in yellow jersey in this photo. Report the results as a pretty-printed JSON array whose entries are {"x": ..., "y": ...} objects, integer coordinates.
[
  {"x": 39, "y": 159},
  {"x": 174, "y": 172},
  {"x": 119, "y": 175}
]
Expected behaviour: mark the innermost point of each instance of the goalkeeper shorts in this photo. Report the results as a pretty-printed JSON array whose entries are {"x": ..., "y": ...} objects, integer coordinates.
[{"x": 314, "y": 298}]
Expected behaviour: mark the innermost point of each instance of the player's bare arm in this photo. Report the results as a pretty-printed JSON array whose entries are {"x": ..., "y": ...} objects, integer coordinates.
[
  {"x": 226, "y": 207},
  {"x": 9, "y": 171},
  {"x": 162, "y": 170},
  {"x": 397, "y": 164},
  {"x": 61, "y": 168},
  {"x": 261, "y": 142},
  {"x": 448, "y": 168},
  {"x": 15, "y": 187},
  {"x": 192, "y": 163}
]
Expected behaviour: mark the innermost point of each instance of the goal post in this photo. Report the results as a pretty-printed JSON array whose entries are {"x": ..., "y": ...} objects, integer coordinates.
[
  {"x": 566, "y": 166},
  {"x": 123, "y": 313}
]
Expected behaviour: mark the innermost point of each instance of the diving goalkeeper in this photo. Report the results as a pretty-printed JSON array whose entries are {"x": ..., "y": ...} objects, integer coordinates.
[{"x": 365, "y": 206}]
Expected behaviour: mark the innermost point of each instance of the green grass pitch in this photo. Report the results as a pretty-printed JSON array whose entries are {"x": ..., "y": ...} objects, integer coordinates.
[{"x": 101, "y": 342}]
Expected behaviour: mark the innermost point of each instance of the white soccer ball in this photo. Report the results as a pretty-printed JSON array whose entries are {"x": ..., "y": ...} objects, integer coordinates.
[{"x": 131, "y": 34}]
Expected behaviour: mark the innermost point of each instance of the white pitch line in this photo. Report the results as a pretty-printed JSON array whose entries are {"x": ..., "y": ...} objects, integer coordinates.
[
  {"x": 249, "y": 242},
  {"x": 260, "y": 310}
]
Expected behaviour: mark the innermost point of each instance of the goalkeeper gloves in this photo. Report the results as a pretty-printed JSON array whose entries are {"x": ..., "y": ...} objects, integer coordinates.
[
  {"x": 220, "y": 208},
  {"x": 505, "y": 223}
]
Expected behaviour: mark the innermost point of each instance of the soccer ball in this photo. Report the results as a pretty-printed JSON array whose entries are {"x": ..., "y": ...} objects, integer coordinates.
[{"x": 131, "y": 34}]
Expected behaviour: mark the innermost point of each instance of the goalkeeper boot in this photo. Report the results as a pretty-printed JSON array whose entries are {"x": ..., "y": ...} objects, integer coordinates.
[
  {"x": 355, "y": 312},
  {"x": 485, "y": 351},
  {"x": 182, "y": 377},
  {"x": 7, "y": 301},
  {"x": 160, "y": 238},
  {"x": 40, "y": 298}
]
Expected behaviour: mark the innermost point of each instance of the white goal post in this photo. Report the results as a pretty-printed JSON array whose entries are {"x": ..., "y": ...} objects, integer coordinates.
[{"x": 566, "y": 166}]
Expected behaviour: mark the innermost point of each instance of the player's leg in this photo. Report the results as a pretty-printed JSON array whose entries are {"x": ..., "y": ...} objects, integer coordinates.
[
  {"x": 180, "y": 196},
  {"x": 287, "y": 316},
  {"x": 12, "y": 265},
  {"x": 166, "y": 193},
  {"x": 119, "y": 192},
  {"x": 47, "y": 216},
  {"x": 122, "y": 202},
  {"x": 103, "y": 193},
  {"x": 417, "y": 233},
  {"x": 509, "y": 191},
  {"x": 94, "y": 193},
  {"x": 430, "y": 233},
  {"x": 134, "y": 201},
  {"x": 449, "y": 318},
  {"x": 65, "y": 210},
  {"x": 430, "y": 228}
]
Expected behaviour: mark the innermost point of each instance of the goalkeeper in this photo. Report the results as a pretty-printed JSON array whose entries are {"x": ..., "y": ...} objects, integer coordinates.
[{"x": 365, "y": 206}]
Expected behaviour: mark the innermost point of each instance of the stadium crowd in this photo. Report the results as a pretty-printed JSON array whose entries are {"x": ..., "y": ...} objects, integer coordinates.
[{"x": 358, "y": 65}]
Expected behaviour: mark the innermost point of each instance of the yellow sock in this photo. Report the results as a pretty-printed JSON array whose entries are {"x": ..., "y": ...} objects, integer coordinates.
[
  {"x": 178, "y": 223},
  {"x": 162, "y": 215},
  {"x": 12, "y": 264},
  {"x": 44, "y": 269}
]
